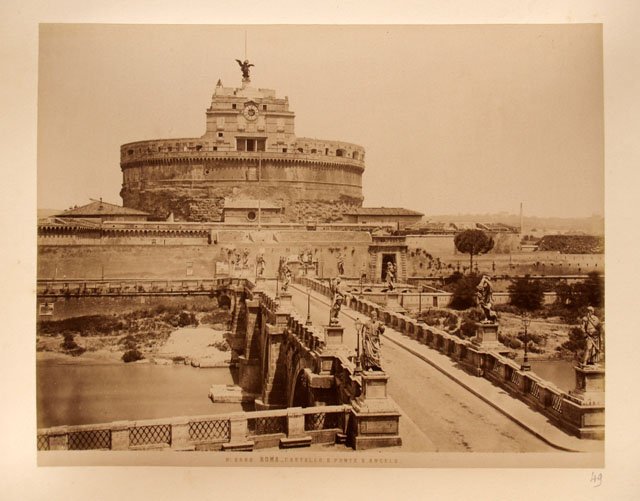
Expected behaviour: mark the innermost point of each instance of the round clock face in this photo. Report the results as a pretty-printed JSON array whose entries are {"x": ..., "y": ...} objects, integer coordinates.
[{"x": 250, "y": 112}]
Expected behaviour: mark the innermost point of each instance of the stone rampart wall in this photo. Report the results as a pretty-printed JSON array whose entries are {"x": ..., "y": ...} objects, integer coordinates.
[{"x": 175, "y": 258}]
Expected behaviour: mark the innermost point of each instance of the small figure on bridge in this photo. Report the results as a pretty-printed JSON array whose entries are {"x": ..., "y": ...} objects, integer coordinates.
[
  {"x": 484, "y": 295},
  {"x": 390, "y": 275},
  {"x": 592, "y": 329},
  {"x": 340, "y": 264},
  {"x": 245, "y": 259},
  {"x": 260, "y": 264},
  {"x": 338, "y": 295},
  {"x": 286, "y": 277},
  {"x": 371, "y": 343}
]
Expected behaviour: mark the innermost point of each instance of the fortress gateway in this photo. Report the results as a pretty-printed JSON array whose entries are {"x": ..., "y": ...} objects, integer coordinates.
[{"x": 249, "y": 151}]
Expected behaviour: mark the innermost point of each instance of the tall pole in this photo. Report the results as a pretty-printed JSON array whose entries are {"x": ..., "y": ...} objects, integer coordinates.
[
  {"x": 259, "y": 190},
  {"x": 308, "y": 322},
  {"x": 358, "y": 367},
  {"x": 525, "y": 363}
]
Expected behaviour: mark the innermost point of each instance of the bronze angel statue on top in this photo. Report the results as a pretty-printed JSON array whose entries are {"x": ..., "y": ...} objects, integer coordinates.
[{"x": 244, "y": 67}]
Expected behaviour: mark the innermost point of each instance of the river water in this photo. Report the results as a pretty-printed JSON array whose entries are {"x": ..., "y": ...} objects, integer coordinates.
[
  {"x": 558, "y": 372},
  {"x": 74, "y": 393}
]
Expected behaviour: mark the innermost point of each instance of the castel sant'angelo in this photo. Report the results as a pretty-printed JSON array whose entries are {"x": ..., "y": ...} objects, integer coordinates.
[{"x": 249, "y": 150}]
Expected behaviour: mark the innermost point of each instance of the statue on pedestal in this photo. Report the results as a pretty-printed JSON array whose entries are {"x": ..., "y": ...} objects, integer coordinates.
[
  {"x": 592, "y": 329},
  {"x": 340, "y": 264},
  {"x": 371, "y": 343},
  {"x": 338, "y": 295},
  {"x": 260, "y": 264},
  {"x": 245, "y": 259},
  {"x": 484, "y": 295},
  {"x": 286, "y": 276},
  {"x": 390, "y": 276},
  {"x": 244, "y": 67}
]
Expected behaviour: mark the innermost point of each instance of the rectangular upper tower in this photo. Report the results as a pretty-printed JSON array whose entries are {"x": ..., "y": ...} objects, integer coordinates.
[{"x": 249, "y": 119}]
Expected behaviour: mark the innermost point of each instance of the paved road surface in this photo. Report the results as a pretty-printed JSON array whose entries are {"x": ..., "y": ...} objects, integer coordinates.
[{"x": 452, "y": 418}]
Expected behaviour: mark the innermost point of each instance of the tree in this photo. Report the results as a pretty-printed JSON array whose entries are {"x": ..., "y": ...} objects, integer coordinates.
[
  {"x": 464, "y": 293},
  {"x": 526, "y": 294},
  {"x": 473, "y": 242}
]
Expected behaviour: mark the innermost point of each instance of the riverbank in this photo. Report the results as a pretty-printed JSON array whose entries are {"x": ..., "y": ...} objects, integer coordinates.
[
  {"x": 162, "y": 335},
  {"x": 200, "y": 346}
]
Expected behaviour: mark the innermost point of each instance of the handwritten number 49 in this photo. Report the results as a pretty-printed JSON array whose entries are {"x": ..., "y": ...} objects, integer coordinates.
[{"x": 596, "y": 479}]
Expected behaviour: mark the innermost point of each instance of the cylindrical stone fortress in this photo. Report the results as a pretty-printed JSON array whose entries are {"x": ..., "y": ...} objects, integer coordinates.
[{"x": 249, "y": 151}]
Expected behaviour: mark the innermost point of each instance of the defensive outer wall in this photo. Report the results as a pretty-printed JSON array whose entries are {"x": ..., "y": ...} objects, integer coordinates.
[{"x": 249, "y": 150}]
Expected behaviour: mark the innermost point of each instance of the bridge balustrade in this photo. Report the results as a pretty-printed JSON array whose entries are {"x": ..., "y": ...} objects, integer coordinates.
[
  {"x": 543, "y": 396},
  {"x": 209, "y": 432}
]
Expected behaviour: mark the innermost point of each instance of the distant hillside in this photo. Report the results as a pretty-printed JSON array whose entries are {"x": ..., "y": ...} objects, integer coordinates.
[
  {"x": 572, "y": 244},
  {"x": 593, "y": 225}
]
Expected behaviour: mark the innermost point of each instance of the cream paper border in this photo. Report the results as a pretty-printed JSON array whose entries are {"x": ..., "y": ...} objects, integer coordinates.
[{"x": 22, "y": 479}]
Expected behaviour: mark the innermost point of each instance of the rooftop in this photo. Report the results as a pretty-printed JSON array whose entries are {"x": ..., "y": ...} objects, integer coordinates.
[
  {"x": 98, "y": 208},
  {"x": 382, "y": 211}
]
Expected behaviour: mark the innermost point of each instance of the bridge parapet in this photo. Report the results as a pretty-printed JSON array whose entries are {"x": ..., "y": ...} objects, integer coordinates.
[
  {"x": 241, "y": 430},
  {"x": 577, "y": 415}
]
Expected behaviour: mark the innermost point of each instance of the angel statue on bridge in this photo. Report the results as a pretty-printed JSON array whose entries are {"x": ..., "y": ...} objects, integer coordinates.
[
  {"x": 286, "y": 276},
  {"x": 371, "y": 343},
  {"x": 244, "y": 67},
  {"x": 592, "y": 328},
  {"x": 260, "y": 264},
  {"x": 338, "y": 295},
  {"x": 484, "y": 295}
]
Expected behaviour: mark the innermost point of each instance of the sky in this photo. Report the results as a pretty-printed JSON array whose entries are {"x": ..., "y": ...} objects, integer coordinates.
[{"x": 454, "y": 119}]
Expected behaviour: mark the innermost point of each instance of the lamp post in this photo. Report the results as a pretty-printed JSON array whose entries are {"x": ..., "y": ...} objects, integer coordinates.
[
  {"x": 308, "y": 322},
  {"x": 359, "y": 326},
  {"x": 526, "y": 321}
]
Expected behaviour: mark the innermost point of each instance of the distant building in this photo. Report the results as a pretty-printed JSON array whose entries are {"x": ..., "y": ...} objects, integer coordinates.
[
  {"x": 398, "y": 216},
  {"x": 98, "y": 210}
]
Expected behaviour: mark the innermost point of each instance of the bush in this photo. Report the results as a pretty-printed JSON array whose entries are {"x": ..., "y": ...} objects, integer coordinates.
[
  {"x": 526, "y": 294},
  {"x": 467, "y": 329},
  {"x": 71, "y": 347},
  {"x": 69, "y": 343},
  {"x": 439, "y": 318},
  {"x": 576, "y": 342},
  {"x": 132, "y": 356},
  {"x": 515, "y": 343},
  {"x": 186, "y": 318}
]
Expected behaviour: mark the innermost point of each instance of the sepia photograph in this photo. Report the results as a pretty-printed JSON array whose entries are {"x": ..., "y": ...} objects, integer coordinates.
[
  {"x": 321, "y": 245},
  {"x": 319, "y": 250}
]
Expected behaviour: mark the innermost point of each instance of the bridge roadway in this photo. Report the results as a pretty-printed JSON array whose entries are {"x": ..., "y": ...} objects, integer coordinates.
[{"x": 438, "y": 414}]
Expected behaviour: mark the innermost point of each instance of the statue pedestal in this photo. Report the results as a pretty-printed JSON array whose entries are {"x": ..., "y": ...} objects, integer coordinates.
[
  {"x": 589, "y": 384},
  {"x": 376, "y": 420},
  {"x": 583, "y": 407},
  {"x": 285, "y": 301},
  {"x": 333, "y": 334},
  {"x": 487, "y": 337},
  {"x": 392, "y": 303}
]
